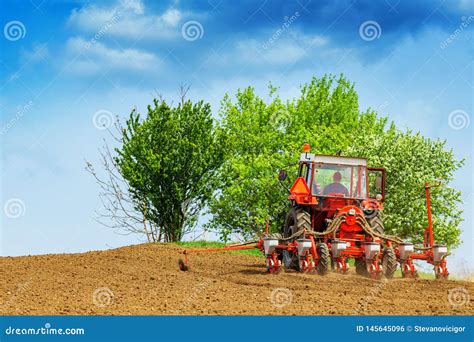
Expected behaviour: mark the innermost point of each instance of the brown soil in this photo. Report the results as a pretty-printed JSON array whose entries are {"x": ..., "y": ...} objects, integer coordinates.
[{"x": 144, "y": 279}]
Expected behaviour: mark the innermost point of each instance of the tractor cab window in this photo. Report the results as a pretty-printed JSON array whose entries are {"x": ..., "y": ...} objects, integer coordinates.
[
  {"x": 305, "y": 172},
  {"x": 333, "y": 180},
  {"x": 376, "y": 182},
  {"x": 308, "y": 173}
]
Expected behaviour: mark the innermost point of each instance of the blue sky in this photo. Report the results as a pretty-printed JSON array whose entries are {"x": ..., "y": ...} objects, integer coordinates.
[{"x": 65, "y": 64}]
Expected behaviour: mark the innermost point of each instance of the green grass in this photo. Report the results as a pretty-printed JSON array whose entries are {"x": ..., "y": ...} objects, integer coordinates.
[{"x": 214, "y": 244}]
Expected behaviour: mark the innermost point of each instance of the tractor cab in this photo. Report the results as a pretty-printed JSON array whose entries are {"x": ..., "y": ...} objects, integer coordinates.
[
  {"x": 336, "y": 181},
  {"x": 339, "y": 201}
]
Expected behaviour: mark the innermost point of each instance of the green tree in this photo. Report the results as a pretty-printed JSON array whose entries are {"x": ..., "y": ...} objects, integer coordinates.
[
  {"x": 410, "y": 161},
  {"x": 267, "y": 135},
  {"x": 249, "y": 192},
  {"x": 169, "y": 160}
]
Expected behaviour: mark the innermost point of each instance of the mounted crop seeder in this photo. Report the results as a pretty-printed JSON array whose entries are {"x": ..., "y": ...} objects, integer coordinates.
[{"x": 336, "y": 204}]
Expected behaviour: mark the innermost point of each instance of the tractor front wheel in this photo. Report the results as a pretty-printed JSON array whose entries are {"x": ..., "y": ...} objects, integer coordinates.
[
  {"x": 376, "y": 224},
  {"x": 389, "y": 262},
  {"x": 324, "y": 259}
]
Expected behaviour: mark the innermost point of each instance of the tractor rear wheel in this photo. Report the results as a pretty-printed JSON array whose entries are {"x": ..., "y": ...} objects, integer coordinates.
[
  {"x": 389, "y": 262},
  {"x": 297, "y": 220},
  {"x": 376, "y": 224},
  {"x": 324, "y": 259}
]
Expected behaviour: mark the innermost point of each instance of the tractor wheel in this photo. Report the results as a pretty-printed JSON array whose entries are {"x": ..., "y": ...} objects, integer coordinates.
[
  {"x": 361, "y": 267},
  {"x": 297, "y": 220},
  {"x": 389, "y": 262},
  {"x": 376, "y": 224},
  {"x": 324, "y": 259}
]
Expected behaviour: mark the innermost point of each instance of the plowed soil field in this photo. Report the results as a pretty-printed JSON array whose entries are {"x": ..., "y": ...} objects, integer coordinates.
[{"x": 144, "y": 279}]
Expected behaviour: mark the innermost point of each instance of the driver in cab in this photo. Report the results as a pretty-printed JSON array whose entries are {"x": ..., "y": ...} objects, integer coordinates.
[{"x": 336, "y": 187}]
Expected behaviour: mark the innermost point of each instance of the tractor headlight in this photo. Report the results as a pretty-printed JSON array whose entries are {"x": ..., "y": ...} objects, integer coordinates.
[{"x": 378, "y": 197}]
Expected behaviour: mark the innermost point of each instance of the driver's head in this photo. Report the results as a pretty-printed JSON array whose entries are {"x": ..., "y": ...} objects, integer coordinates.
[{"x": 337, "y": 177}]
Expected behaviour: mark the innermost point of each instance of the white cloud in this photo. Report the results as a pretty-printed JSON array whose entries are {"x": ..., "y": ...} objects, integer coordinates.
[
  {"x": 254, "y": 52},
  {"x": 92, "y": 58},
  {"x": 317, "y": 41},
  {"x": 135, "y": 5},
  {"x": 171, "y": 17},
  {"x": 465, "y": 4},
  {"x": 127, "y": 19},
  {"x": 39, "y": 52},
  {"x": 277, "y": 51}
]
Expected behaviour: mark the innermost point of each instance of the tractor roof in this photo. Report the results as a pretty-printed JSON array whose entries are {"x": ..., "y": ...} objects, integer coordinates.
[{"x": 326, "y": 159}]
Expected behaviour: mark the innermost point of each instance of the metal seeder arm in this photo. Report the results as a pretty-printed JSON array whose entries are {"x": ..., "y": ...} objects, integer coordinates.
[
  {"x": 246, "y": 245},
  {"x": 430, "y": 239},
  {"x": 183, "y": 265}
]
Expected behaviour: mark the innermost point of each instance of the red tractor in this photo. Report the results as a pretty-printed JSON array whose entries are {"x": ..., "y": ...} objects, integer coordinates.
[
  {"x": 336, "y": 202},
  {"x": 335, "y": 215}
]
